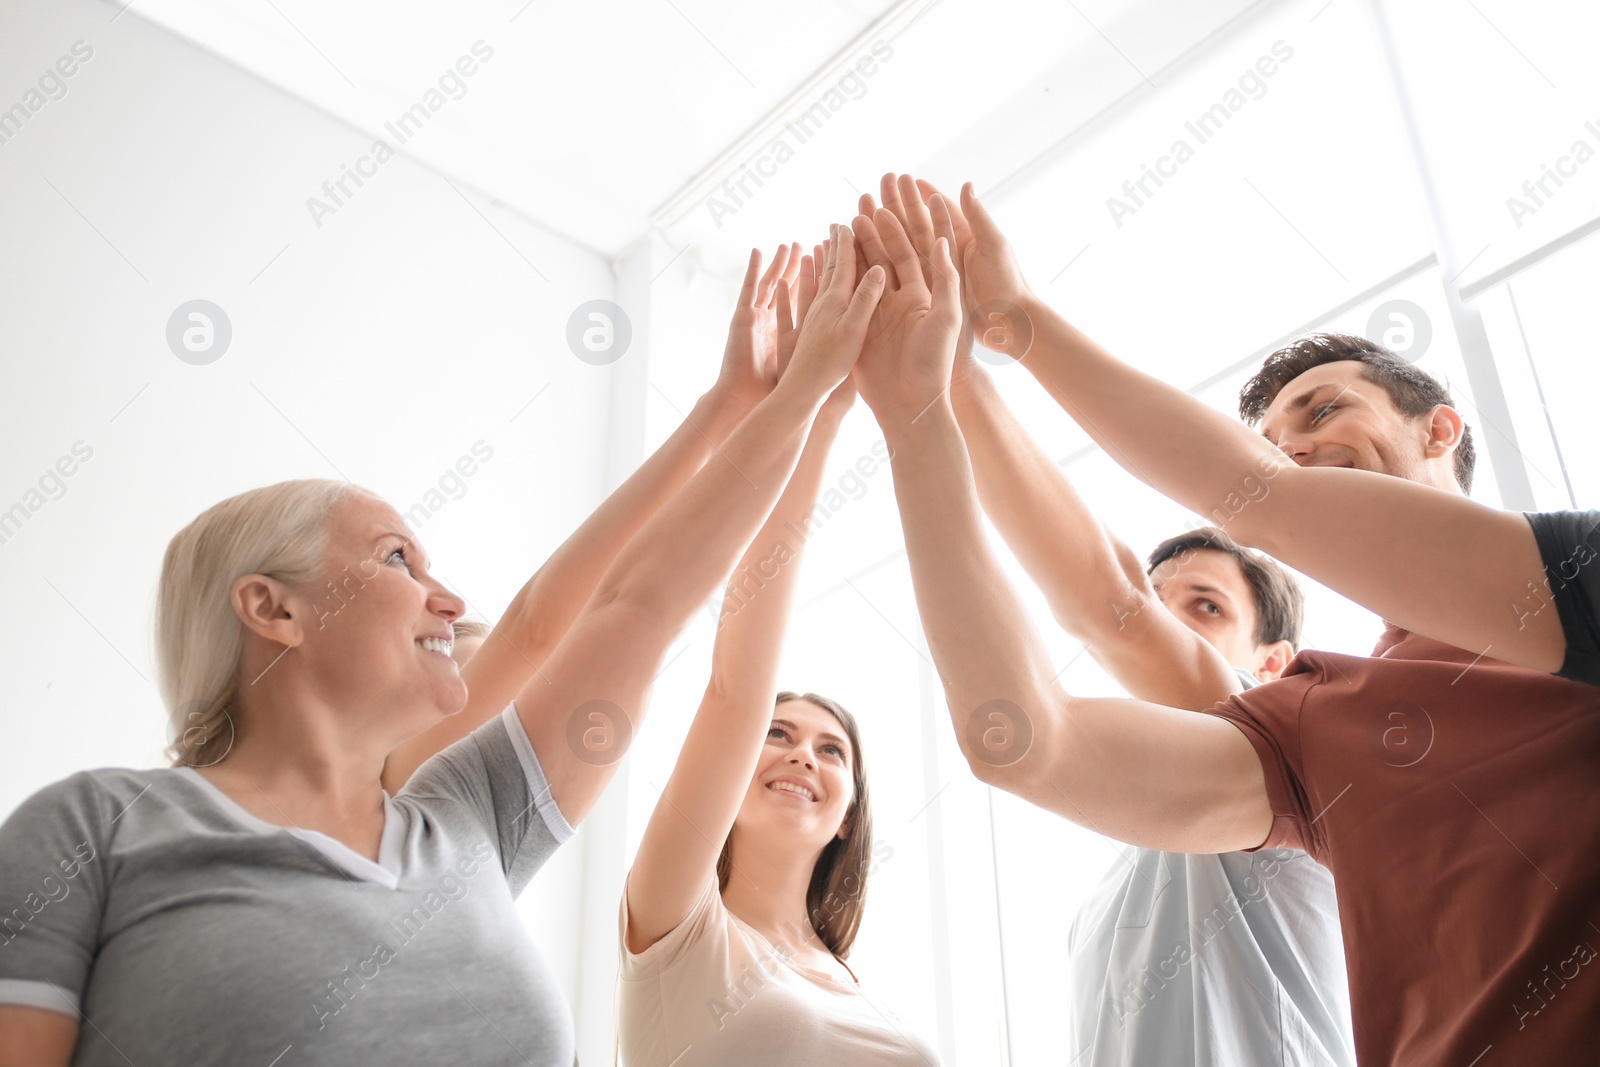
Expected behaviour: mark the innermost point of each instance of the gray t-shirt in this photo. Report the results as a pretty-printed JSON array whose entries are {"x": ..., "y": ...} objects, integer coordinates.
[
  {"x": 1210, "y": 961},
  {"x": 183, "y": 930}
]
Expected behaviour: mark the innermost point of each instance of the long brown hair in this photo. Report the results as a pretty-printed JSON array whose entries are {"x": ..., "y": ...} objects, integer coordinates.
[{"x": 838, "y": 891}]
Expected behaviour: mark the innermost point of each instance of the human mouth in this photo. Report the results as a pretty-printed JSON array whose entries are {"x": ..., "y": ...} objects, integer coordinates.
[
  {"x": 785, "y": 786},
  {"x": 434, "y": 643}
]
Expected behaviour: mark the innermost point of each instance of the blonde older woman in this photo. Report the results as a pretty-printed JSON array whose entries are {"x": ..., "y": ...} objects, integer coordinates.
[{"x": 277, "y": 906}]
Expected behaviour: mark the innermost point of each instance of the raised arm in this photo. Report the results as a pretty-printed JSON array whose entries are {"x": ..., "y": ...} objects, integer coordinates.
[
  {"x": 1424, "y": 559},
  {"x": 1096, "y": 588},
  {"x": 702, "y": 798},
  {"x": 543, "y": 611},
  {"x": 1140, "y": 772},
  {"x": 581, "y": 710}
]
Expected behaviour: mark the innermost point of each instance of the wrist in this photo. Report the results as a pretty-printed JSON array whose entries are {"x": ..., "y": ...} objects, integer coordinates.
[
  {"x": 970, "y": 385},
  {"x": 727, "y": 401},
  {"x": 907, "y": 422}
]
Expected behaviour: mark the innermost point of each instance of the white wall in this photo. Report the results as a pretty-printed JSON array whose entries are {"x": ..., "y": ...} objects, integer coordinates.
[{"x": 381, "y": 346}]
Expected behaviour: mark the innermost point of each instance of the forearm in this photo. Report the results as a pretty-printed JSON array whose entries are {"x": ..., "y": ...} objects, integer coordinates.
[
  {"x": 1424, "y": 559},
  {"x": 760, "y": 595},
  {"x": 1174, "y": 443},
  {"x": 1063, "y": 547},
  {"x": 689, "y": 545},
  {"x": 982, "y": 644},
  {"x": 544, "y": 609}
]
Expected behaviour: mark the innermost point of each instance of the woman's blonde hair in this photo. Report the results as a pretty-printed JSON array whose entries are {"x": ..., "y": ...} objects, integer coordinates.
[{"x": 280, "y": 531}]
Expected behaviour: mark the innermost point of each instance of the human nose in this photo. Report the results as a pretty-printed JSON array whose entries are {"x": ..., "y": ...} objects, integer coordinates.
[{"x": 443, "y": 603}]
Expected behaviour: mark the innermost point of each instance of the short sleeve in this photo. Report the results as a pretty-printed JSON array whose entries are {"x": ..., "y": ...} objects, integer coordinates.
[
  {"x": 493, "y": 778},
  {"x": 1569, "y": 544},
  {"x": 53, "y": 881},
  {"x": 707, "y": 919},
  {"x": 1269, "y": 717}
]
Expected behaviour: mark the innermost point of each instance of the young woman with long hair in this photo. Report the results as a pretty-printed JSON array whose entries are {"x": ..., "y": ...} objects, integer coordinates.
[{"x": 747, "y": 890}]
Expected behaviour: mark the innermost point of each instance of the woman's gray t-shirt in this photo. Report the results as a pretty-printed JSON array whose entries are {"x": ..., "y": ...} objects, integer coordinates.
[{"x": 180, "y": 929}]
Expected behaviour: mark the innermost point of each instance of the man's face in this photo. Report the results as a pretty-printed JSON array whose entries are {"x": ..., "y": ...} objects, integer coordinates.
[
  {"x": 1208, "y": 593},
  {"x": 1331, "y": 416}
]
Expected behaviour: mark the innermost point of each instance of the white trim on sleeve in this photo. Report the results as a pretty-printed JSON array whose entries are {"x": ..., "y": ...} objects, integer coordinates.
[
  {"x": 543, "y": 799},
  {"x": 23, "y": 993}
]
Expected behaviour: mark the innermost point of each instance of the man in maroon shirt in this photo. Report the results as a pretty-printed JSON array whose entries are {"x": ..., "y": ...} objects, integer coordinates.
[{"x": 1448, "y": 781}]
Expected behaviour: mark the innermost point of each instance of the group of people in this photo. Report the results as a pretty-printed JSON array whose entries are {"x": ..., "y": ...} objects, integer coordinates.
[{"x": 1335, "y": 859}]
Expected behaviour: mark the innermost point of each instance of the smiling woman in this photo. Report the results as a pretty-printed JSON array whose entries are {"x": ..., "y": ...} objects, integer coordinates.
[{"x": 273, "y": 840}]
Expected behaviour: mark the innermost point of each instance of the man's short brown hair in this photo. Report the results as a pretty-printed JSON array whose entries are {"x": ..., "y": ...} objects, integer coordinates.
[
  {"x": 1414, "y": 392},
  {"x": 1280, "y": 606}
]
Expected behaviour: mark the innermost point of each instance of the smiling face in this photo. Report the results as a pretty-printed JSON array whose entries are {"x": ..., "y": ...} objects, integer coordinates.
[
  {"x": 378, "y": 637},
  {"x": 804, "y": 781},
  {"x": 1332, "y": 416}
]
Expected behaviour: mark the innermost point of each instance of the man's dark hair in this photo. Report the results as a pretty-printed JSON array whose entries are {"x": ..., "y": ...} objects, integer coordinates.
[
  {"x": 1280, "y": 606},
  {"x": 1414, "y": 392}
]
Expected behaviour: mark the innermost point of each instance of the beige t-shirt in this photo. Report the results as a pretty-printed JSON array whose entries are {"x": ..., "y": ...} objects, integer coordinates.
[{"x": 714, "y": 992}]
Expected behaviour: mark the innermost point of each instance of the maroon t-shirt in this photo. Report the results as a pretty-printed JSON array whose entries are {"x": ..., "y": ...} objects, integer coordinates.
[{"x": 1457, "y": 802}]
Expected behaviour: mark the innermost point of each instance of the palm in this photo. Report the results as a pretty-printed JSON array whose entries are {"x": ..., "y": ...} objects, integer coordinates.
[{"x": 750, "y": 361}]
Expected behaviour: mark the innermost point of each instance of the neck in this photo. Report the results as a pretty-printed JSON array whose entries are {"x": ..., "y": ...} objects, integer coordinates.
[
  {"x": 297, "y": 755},
  {"x": 767, "y": 889}
]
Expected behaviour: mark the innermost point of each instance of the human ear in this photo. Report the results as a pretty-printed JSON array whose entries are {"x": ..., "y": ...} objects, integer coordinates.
[
  {"x": 1445, "y": 429},
  {"x": 270, "y": 608},
  {"x": 1279, "y": 653}
]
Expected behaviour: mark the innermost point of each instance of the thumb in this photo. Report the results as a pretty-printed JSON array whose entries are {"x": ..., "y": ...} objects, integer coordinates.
[
  {"x": 946, "y": 281},
  {"x": 868, "y": 291},
  {"x": 978, "y": 218}
]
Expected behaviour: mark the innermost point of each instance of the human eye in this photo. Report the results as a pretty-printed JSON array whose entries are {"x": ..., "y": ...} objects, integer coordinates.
[
  {"x": 1323, "y": 412},
  {"x": 835, "y": 749},
  {"x": 776, "y": 731},
  {"x": 1209, "y": 607},
  {"x": 399, "y": 553}
]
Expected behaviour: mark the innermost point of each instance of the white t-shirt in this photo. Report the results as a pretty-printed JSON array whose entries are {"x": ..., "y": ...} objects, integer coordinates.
[
  {"x": 715, "y": 992},
  {"x": 1233, "y": 960}
]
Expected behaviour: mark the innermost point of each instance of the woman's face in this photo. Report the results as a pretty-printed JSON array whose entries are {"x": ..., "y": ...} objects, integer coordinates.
[
  {"x": 804, "y": 781},
  {"x": 379, "y": 634}
]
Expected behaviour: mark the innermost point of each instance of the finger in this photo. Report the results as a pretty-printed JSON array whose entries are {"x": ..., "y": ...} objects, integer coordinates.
[
  {"x": 807, "y": 289},
  {"x": 978, "y": 219},
  {"x": 786, "y": 322},
  {"x": 829, "y": 254},
  {"x": 747, "y": 292},
  {"x": 914, "y": 216},
  {"x": 889, "y": 191},
  {"x": 871, "y": 242},
  {"x": 865, "y": 206},
  {"x": 946, "y": 279},
  {"x": 944, "y": 226},
  {"x": 769, "y": 280},
  {"x": 848, "y": 273},
  {"x": 791, "y": 271},
  {"x": 907, "y": 268},
  {"x": 854, "y": 320},
  {"x": 958, "y": 221}
]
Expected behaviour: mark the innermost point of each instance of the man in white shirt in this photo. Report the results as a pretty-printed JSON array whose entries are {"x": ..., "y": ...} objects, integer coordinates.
[{"x": 1176, "y": 960}]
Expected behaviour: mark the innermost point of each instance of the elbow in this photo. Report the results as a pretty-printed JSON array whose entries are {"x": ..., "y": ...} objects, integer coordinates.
[{"x": 1004, "y": 742}]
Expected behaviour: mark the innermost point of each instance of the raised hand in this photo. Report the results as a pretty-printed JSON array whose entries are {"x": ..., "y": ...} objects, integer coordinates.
[
  {"x": 750, "y": 362},
  {"x": 906, "y": 361},
  {"x": 993, "y": 290},
  {"x": 835, "y": 324}
]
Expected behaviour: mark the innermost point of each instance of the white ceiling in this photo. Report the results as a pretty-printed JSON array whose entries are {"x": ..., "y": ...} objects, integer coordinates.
[{"x": 605, "y": 121}]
